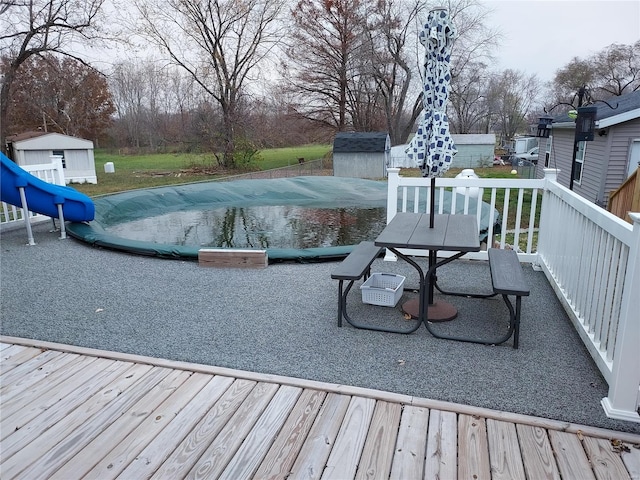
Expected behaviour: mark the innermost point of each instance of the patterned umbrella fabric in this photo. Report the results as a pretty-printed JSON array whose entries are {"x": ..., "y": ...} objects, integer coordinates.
[{"x": 432, "y": 148}]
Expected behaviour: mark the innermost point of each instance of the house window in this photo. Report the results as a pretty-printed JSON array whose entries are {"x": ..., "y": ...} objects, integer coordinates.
[
  {"x": 577, "y": 174},
  {"x": 60, "y": 153}
]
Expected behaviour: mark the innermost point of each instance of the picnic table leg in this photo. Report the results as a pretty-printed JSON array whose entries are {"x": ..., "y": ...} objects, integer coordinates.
[{"x": 340, "y": 302}]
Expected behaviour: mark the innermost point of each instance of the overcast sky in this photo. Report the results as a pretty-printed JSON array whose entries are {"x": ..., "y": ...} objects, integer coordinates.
[
  {"x": 539, "y": 36},
  {"x": 542, "y": 36}
]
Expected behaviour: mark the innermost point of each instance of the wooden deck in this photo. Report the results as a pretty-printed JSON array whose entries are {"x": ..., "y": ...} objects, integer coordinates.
[{"x": 69, "y": 412}]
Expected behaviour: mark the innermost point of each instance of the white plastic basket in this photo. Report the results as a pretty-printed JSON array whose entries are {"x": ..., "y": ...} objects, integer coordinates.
[{"x": 384, "y": 289}]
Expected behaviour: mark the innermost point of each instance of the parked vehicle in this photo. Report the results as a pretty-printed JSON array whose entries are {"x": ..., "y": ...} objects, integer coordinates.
[
  {"x": 530, "y": 156},
  {"x": 524, "y": 144}
]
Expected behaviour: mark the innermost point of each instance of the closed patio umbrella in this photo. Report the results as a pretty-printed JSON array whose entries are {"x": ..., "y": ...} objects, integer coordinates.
[{"x": 432, "y": 148}]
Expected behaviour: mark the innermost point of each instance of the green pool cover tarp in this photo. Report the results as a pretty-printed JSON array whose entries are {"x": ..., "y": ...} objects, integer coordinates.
[{"x": 311, "y": 192}]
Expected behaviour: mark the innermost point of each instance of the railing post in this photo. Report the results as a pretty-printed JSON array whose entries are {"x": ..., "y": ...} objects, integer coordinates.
[
  {"x": 622, "y": 400},
  {"x": 393, "y": 181},
  {"x": 550, "y": 176},
  {"x": 392, "y": 192}
]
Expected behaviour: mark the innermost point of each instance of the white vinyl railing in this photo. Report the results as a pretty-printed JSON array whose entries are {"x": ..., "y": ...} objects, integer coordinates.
[
  {"x": 592, "y": 260},
  {"x": 590, "y": 257},
  {"x": 48, "y": 172},
  {"x": 501, "y": 213}
]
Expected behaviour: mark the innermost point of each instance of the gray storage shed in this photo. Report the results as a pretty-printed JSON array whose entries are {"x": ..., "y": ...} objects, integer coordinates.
[
  {"x": 474, "y": 150},
  {"x": 361, "y": 154}
]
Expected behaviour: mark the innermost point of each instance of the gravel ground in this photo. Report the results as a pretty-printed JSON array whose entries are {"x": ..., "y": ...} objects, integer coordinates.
[{"x": 282, "y": 320}]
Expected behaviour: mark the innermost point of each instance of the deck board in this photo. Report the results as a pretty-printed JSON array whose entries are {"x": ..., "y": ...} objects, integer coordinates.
[
  {"x": 410, "y": 451},
  {"x": 284, "y": 451},
  {"x": 56, "y": 407},
  {"x": 20, "y": 407},
  {"x": 225, "y": 445},
  {"x": 377, "y": 455},
  {"x": 315, "y": 451},
  {"x": 83, "y": 425},
  {"x": 442, "y": 446},
  {"x": 572, "y": 459},
  {"x": 20, "y": 377},
  {"x": 346, "y": 452},
  {"x": 257, "y": 443},
  {"x": 75, "y": 413},
  {"x": 605, "y": 463},
  {"x": 134, "y": 429},
  {"x": 15, "y": 356},
  {"x": 198, "y": 439},
  {"x": 504, "y": 451},
  {"x": 473, "y": 448},
  {"x": 537, "y": 453},
  {"x": 631, "y": 459}
]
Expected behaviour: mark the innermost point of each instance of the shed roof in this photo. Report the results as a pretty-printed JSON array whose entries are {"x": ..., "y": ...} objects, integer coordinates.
[
  {"x": 49, "y": 141},
  {"x": 352, "y": 142}
]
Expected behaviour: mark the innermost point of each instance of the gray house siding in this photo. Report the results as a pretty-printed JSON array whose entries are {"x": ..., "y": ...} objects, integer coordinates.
[
  {"x": 621, "y": 138},
  {"x": 606, "y": 160},
  {"x": 593, "y": 169},
  {"x": 604, "y": 167},
  {"x": 561, "y": 152}
]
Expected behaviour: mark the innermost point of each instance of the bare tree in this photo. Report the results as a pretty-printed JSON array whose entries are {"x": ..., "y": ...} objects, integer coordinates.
[
  {"x": 569, "y": 79},
  {"x": 322, "y": 57},
  {"x": 512, "y": 96},
  {"x": 220, "y": 43},
  {"x": 613, "y": 71},
  {"x": 618, "y": 69},
  {"x": 469, "y": 109},
  {"x": 392, "y": 30},
  {"x": 356, "y": 63},
  {"x": 32, "y": 27}
]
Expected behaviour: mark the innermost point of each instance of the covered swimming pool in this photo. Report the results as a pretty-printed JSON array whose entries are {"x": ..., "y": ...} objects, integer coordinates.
[{"x": 299, "y": 218}]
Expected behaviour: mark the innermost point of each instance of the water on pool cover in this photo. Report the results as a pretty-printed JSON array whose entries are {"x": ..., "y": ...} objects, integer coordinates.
[{"x": 287, "y": 226}]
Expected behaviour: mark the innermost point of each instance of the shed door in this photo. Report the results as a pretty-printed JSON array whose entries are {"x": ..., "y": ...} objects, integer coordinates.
[{"x": 634, "y": 156}]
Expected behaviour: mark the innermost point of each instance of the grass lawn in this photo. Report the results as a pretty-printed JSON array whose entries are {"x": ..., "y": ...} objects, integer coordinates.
[{"x": 146, "y": 171}]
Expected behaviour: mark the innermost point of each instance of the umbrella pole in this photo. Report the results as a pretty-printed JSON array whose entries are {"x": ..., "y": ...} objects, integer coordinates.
[{"x": 432, "y": 192}]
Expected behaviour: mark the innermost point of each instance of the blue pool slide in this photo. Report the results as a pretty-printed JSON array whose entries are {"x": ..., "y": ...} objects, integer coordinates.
[{"x": 42, "y": 197}]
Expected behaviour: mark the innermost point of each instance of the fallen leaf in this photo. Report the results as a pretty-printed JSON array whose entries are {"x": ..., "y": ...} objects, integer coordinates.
[{"x": 619, "y": 447}]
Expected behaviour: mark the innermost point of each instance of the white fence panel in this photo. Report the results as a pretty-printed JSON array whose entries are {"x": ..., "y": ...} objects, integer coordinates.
[
  {"x": 413, "y": 194},
  {"x": 48, "y": 172},
  {"x": 592, "y": 260}
]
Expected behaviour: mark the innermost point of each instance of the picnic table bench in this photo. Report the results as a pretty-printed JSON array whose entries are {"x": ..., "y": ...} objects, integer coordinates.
[
  {"x": 507, "y": 279},
  {"x": 354, "y": 267}
]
